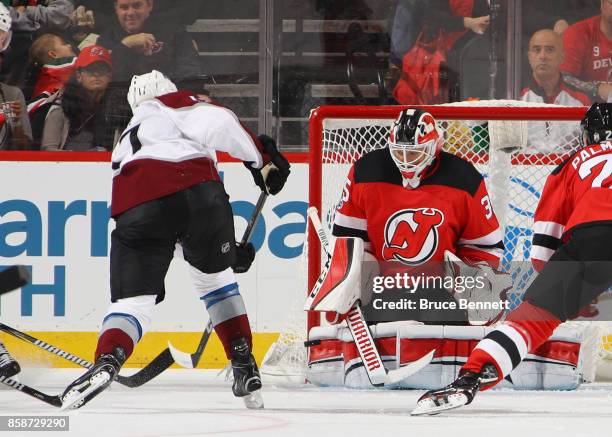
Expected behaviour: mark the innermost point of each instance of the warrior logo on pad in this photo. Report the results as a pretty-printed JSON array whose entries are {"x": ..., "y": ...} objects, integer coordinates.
[{"x": 411, "y": 235}]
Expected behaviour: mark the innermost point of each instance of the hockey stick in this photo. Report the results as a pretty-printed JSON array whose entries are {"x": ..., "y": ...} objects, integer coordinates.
[
  {"x": 154, "y": 368},
  {"x": 190, "y": 361},
  {"x": 366, "y": 347},
  {"x": 54, "y": 400},
  {"x": 46, "y": 346},
  {"x": 13, "y": 277}
]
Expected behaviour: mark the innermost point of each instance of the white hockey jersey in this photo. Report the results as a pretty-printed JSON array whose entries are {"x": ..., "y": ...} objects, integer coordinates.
[{"x": 170, "y": 145}]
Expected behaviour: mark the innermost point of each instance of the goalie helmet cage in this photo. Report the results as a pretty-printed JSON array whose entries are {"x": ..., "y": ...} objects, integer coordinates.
[{"x": 514, "y": 144}]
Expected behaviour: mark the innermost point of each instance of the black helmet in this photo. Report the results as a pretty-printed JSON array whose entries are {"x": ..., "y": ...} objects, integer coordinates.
[{"x": 597, "y": 124}]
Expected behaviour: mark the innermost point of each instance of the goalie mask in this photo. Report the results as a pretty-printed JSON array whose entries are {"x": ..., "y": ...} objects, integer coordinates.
[
  {"x": 597, "y": 124},
  {"x": 414, "y": 143}
]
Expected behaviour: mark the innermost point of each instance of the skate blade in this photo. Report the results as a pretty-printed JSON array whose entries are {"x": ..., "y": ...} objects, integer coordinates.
[
  {"x": 75, "y": 399},
  {"x": 254, "y": 401},
  {"x": 429, "y": 407}
]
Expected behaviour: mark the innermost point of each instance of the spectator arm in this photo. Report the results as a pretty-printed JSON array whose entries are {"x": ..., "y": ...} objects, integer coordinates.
[
  {"x": 589, "y": 88},
  {"x": 55, "y": 15},
  {"x": 55, "y": 131},
  {"x": 438, "y": 13}
]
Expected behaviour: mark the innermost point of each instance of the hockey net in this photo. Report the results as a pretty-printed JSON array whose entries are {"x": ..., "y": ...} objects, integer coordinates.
[{"x": 515, "y": 145}]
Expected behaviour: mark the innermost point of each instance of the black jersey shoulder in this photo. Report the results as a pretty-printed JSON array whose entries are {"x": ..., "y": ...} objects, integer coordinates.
[
  {"x": 377, "y": 166},
  {"x": 455, "y": 172},
  {"x": 450, "y": 170}
]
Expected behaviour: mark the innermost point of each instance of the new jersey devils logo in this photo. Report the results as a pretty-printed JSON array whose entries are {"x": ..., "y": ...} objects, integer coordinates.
[{"x": 411, "y": 235}]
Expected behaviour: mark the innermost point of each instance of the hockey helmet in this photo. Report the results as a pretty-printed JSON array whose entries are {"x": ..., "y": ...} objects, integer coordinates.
[
  {"x": 148, "y": 86},
  {"x": 5, "y": 25},
  {"x": 597, "y": 124},
  {"x": 414, "y": 143}
]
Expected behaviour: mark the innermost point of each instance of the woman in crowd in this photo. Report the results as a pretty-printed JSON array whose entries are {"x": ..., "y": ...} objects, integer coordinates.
[{"x": 76, "y": 120}]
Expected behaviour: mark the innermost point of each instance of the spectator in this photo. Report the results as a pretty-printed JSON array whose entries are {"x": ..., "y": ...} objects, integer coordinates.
[
  {"x": 76, "y": 120},
  {"x": 454, "y": 17},
  {"x": 48, "y": 15},
  {"x": 588, "y": 44},
  {"x": 139, "y": 46},
  {"x": 56, "y": 58},
  {"x": 547, "y": 86},
  {"x": 437, "y": 24},
  {"x": 15, "y": 132}
]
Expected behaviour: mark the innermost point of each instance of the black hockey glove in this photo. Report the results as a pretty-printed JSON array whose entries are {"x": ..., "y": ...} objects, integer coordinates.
[
  {"x": 245, "y": 254},
  {"x": 272, "y": 176}
]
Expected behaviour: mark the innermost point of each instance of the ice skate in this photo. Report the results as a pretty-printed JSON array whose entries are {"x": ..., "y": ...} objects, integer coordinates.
[
  {"x": 9, "y": 367},
  {"x": 94, "y": 381},
  {"x": 461, "y": 392},
  {"x": 247, "y": 382}
]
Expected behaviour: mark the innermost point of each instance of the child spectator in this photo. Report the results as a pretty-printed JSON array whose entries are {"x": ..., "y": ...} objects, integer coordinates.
[{"x": 57, "y": 60}]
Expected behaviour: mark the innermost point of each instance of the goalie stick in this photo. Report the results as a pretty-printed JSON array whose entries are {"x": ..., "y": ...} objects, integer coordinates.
[
  {"x": 184, "y": 359},
  {"x": 373, "y": 364}
]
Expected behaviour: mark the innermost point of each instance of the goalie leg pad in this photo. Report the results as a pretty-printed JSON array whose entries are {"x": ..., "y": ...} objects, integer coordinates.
[
  {"x": 334, "y": 361},
  {"x": 346, "y": 280}
]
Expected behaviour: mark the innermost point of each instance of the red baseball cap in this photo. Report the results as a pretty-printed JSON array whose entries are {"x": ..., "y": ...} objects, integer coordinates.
[{"x": 92, "y": 54}]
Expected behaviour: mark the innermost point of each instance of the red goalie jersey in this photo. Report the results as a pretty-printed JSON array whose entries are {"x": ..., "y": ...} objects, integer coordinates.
[
  {"x": 449, "y": 210},
  {"x": 577, "y": 193}
]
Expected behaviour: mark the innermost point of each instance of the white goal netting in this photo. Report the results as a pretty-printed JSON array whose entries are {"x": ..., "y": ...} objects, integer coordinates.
[{"x": 515, "y": 145}]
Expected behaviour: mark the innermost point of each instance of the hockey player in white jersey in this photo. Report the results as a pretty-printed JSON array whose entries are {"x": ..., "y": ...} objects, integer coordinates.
[{"x": 166, "y": 189}]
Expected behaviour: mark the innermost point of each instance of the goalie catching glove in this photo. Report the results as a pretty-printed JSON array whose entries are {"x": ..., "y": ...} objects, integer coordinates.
[{"x": 272, "y": 176}]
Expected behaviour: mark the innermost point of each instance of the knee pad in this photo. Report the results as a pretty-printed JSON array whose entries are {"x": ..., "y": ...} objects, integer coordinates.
[
  {"x": 132, "y": 315},
  {"x": 220, "y": 293}
]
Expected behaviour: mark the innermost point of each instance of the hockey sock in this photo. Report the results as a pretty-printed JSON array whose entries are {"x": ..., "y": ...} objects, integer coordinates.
[
  {"x": 233, "y": 329},
  {"x": 525, "y": 329},
  {"x": 118, "y": 329},
  {"x": 226, "y": 308}
]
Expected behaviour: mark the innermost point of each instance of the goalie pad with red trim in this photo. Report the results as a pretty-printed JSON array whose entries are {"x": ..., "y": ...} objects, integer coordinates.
[
  {"x": 344, "y": 281},
  {"x": 562, "y": 363}
]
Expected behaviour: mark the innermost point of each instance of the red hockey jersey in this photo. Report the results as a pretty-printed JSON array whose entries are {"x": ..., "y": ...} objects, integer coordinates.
[
  {"x": 449, "y": 210},
  {"x": 588, "y": 53},
  {"x": 577, "y": 193}
]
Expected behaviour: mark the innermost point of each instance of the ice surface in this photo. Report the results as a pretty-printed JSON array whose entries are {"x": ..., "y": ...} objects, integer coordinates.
[{"x": 197, "y": 403}]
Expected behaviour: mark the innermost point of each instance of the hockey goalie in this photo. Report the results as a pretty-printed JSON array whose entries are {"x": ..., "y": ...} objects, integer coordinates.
[{"x": 412, "y": 277}]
